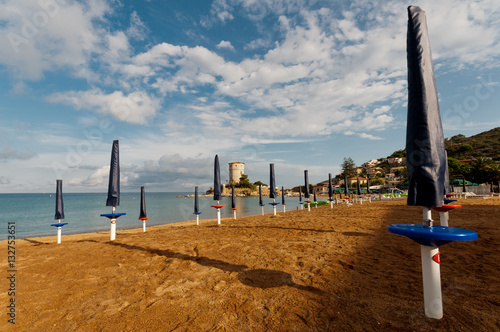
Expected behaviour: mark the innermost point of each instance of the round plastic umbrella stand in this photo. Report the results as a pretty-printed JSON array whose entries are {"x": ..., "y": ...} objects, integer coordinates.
[
  {"x": 274, "y": 206},
  {"x": 113, "y": 216},
  {"x": 443, "y": 212},
  {"x": 234, "y": 213},
  {"x": 308, "y": 204},
  {"x": 218, "y": 207},
  {"x": 59, "y": 230},
  {"x": 431, "y": 238}
]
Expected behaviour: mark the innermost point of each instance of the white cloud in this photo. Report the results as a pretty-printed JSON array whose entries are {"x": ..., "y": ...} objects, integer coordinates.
[
  {"x": 224, "y": 44},
  {"x": 136, "y": 107},
  {"x": 368, "y": 136}
]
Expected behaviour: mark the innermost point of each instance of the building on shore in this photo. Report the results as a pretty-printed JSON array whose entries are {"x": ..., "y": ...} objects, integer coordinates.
[{"x": 236, "y": 170}]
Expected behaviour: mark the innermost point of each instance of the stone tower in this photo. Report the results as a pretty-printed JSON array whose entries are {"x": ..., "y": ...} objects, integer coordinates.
[{"x": 236, "y": 170}]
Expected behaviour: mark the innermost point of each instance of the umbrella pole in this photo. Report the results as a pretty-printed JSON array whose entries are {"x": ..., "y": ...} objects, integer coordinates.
[
  {"x": 309, "y": 207},
  {"x": 431, "y": 275},
  {"x": 443, "y": 218},
  {"x": 274, "y": 206},
  {"x": 59, "y": 231},
  {"x": 197, "y": 220},
  {"x": 144, "y": 225},
  {"x": 218, "y": 214},
  {"x": 284, "y": 208},
  {"x": 234, "y": 214},
  {"x": 113, "y": 227}
]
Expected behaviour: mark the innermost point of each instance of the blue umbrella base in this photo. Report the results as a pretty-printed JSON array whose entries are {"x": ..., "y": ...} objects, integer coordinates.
[
  {"x": 60, "y": 224},
  {"x": 433, "y": 236},
  {"x": 274, "y": 203},
  {"x": 112, "y": 215}
]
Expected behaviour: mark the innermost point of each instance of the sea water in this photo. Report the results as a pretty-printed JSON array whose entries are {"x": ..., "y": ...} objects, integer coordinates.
[{"x": 34, "y": 213}]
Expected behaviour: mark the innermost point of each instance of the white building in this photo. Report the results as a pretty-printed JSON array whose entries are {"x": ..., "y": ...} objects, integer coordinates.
[{"x": 236, "y": 170}]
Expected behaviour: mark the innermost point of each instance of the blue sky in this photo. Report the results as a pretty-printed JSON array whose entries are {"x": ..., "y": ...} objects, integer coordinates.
[{"x": 301, "y": 84}]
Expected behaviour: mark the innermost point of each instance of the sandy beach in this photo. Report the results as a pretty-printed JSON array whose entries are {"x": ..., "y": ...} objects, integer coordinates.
[{"x": 326, "y": 270}]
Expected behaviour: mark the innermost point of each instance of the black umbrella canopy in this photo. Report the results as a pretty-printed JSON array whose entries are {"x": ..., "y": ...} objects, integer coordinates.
[
  {"x": 346, "y": 190},
  {"x": 464, "y": 186},
  {"x": 196, "y": 200},
  {"x": 314, "y": 195},
  {"x": 272, "y": 182},
  {"x": 330, "y": 186},
  {"x": 306, "y": 185},
  {"x": 59, "y": 201},
  {"x": 426, "y": 157},
  {"x": 143, "y": 204},
  {"x": 359, "y": 186},
  {"x": 260, "y": 195},
  {"x": 233, "y": 199},
  {"x": 217, "y": 183},
  {"x": 367, "y": 184},
  {"x": 114, "y": 177},
  {"x": 300, "y": 194},
  {"x": 282, "y": 195}
]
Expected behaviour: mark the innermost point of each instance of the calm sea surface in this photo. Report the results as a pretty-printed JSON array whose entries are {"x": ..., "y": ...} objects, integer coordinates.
[{"x": 33, "y": 213}]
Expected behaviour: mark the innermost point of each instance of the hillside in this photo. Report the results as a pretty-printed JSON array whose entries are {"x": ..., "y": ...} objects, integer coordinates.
[{"x": 485, "y": 144}]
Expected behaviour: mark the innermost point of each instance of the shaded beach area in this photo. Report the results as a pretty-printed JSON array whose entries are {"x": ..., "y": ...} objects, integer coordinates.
[{"x": 326, "y": 270}]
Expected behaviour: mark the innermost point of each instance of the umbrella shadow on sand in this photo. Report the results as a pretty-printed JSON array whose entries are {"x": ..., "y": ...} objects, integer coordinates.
[{"x": 258, "y": 278}]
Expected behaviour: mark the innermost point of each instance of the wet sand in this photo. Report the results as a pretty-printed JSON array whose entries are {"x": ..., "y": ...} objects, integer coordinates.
[{"x": 326, "y": 270}]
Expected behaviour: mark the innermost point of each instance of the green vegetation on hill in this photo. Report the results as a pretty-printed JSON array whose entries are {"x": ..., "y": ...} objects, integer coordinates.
[{"x": 483, "y": 145}]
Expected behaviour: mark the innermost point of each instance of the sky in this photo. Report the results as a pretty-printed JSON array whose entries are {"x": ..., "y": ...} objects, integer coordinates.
[{"x": 298, "y": 83}]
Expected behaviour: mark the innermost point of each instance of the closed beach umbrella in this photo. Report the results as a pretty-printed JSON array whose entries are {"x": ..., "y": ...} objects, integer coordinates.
[
  {"x": 314, "y": 197},
  {"x": 143, "y": 205},
  {"x": 367, "y": 184},
  {"x": 217, "y": 188},
  {"x": 142, "y": 215},
  {"x": 300, "y": 198},
  {"x": 283, "y": 198},
  {"x": 359, "y": 186},
  {"x": 114, "y": 177},
  {"x": 217, "y": 182},
  {"x": 59, "y": 201},
  {"x": 306, "y": 185},
  {"x": 261, "y": 203},
  {"x": 464, "y": 186},
  {"x": 59, "y": 210},
  {"x": 272, "y": 182},
  {"x": 196, "y": 205},
  {"x": 196, "y": 201},
  {"x": 346, "y": 189},
  {"x": 425, "y": 160},
  {"x": 113, "y": 199},
  {"x": 233, "y": 203},
  {"x": 330, "y": 186}
]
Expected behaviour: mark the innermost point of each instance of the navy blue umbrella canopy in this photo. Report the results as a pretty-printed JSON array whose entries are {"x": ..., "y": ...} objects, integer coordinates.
[
  {"x": 272, "y": 182},
  {"x": 143, "y": 204},
  {"x": 367, "y": 184},
  {"x": 114, "y": 177},
  {"x": 217, "y": 183},
  {"x": 346, "y": 189},
  {"x": 300, "y": 194},
  {"x": 330, "y": 186},
  {"x": 260, "y": 195},
  {"x": 196, "y": 200},
  {"x": 59, "y": 201},
  {"x": 282, "y": 195},
  {"x": 425, "y": 151},
  {"x": 359, "y": 186},
  {"x": 306, "y": 185},
  {"x": 314, "y": 195},
  {"x": 233, "y": 199}
]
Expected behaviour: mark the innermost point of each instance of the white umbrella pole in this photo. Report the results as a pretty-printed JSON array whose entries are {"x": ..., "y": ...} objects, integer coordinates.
[
  {"x": 218, "y": 214},
  {"x": 113, "y": 227},
  {"x": 59, "y": 228},
  {"x": 431, "y": 274},
  {"x": 309, "y": 207},
  {"x": 234, "y": 214},
  {"x": 331, "y": 204},
  {"x": 144, "y": 225},
  {"x": 284, "y": 208},
  {"x": 262, "y": 210},
  {"x": 197, "y": 219},
  {"x": 274, "y": 206},
  {"x": 443, "y": 218}
]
